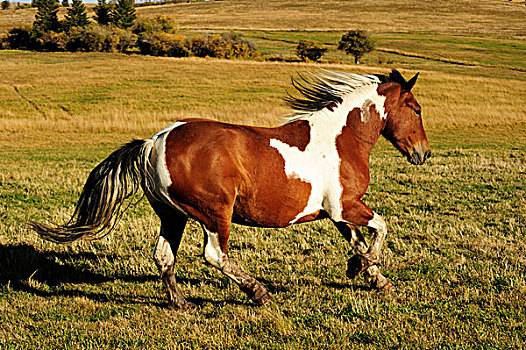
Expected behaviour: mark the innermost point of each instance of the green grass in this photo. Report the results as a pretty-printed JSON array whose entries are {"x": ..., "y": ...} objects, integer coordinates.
[{"x": 454, "y": 250}]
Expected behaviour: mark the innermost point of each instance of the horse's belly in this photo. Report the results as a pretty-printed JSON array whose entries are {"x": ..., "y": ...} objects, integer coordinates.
[{"x": 272, "y": 206}]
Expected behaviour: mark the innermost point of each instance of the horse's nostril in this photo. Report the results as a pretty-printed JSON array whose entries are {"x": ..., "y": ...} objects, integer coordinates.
[
  {"x": 427, "y": 155},
  {"x": 415, "y": 156}
]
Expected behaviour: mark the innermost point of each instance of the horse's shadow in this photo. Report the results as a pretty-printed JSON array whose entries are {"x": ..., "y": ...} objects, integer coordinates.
[{"x": 23, "y": 268}]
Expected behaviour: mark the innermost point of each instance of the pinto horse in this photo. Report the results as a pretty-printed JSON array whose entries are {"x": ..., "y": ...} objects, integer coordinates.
[{"x": 312, "y": 167}]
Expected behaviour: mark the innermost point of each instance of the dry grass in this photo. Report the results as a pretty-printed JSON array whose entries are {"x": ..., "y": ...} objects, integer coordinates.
[
  {"x": 89, "y": 94},
  {"x": 485, "y": 16}
]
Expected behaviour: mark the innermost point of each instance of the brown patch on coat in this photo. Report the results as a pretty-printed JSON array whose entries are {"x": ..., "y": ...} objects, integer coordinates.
[
  {"x": 295, "y": 134},
  {"x": 354, "y": 146},
  {"x": 222, "y": 172}
]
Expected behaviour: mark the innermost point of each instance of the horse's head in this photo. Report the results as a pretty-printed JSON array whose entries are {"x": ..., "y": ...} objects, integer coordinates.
[{"x": 403, "y": 127}]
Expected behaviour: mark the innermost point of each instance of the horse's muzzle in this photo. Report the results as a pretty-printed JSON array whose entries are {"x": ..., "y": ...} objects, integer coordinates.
[{"x": 419, "y": 154}]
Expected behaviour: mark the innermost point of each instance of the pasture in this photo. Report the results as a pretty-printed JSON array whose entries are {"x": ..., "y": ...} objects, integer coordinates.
[{"x": 456, "y": 226}]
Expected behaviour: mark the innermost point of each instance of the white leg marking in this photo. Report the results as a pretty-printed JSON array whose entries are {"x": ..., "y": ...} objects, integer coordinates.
[
  {"x": 212, "y": 251},
  {"x": 378, "y": 223},
  {"x": 163, "y": 255},
  {"x": 380, "y": 231},
  {"x": 358, "y": 241}
]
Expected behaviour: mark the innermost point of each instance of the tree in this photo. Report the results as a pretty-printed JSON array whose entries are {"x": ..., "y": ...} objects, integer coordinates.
[
  {"x": 46, "y": 18},
  {"x": 103, "y": 11},
  {"x": 356, "y": 43},
  {"x": 310, "y": 50},
  {"x": 123, "y": 14},
  {"x": 76, "y": 16},
  {"x": 65, "y": 3},
  {"x": 5, "y": 5}
]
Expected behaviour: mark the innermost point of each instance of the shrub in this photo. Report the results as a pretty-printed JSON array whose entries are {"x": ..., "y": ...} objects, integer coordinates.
[
  {"x": 163, "y": 44},
  {"x": 5, "y": 4},
  {"x": 159, "y": 23},
  {"x": 224, "y": 46},
  {"x": 356, "y": 43},
  {"x": 20, "y": 38},
  {"x": 100, "y": 38},
  {"x": 240, "y": 47},
  {"x": 310, "y": 50},
  {"x": 52, "y": 41}
]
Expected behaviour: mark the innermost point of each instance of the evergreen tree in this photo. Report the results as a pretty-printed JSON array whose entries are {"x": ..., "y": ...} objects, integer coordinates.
[
  {"x": 77, "y": 16},
  {"x": 46, "y": 18},
  {"x": 103, "y": 11},
  {"x": 123, "y": 14}
]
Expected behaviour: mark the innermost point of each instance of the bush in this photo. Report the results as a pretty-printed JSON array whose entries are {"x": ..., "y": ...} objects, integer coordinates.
[
  {"x": 310, "y": 50},
  {"x": 100, "y": 38},
  {"x": 163, "y": 44},
  {"x": 222, "y": 46},
  {"x": 52, "y": 41},
  {"x": 20, "y": 38},
  {"x": 159, "y": 23}
]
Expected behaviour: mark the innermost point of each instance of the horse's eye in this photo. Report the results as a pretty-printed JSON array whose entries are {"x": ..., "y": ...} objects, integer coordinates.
[{"x": 417, "y": 112}]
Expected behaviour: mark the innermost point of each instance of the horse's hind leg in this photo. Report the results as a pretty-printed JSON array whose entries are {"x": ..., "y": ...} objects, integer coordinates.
[
  {"x": 172, "y": 228},
  {"x": 215, "y": 253},
  {"x": 355, "y": 264}
]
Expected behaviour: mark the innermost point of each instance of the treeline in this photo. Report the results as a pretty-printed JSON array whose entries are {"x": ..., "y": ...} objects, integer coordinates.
[{"x": 117, "y": 30}]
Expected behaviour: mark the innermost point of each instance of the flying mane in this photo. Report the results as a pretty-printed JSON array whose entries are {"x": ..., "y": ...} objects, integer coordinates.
[{"x": 327, "y": 88}]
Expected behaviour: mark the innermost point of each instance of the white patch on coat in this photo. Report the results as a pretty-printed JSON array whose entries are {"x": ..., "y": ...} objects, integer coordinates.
[
  {"x": 160, "y": 171},
  {"x": 319, "y": 163},
  {"x": 365, "y": 114}
]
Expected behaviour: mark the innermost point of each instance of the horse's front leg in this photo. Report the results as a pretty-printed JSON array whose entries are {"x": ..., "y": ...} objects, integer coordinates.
[{"x": 366, "y": 257}]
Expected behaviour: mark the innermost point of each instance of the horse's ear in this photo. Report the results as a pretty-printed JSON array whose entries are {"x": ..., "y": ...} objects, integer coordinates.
[
  {"x": 409, "y": 85},
  {"x": 396, "y": 77}
]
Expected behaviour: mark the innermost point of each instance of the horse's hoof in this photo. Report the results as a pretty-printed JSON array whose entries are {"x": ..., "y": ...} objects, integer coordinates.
[
  {"x": 383, "y": 285},
  {"x": 185, "y": 306},
  {"x": 354, "y": 266},
  {"x": 388, "y": 288},
  {"x": 263, "y": 300}
]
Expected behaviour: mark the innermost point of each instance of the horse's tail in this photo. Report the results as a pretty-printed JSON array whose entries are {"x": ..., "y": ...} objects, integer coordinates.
[{"x": 100, "y": 205}]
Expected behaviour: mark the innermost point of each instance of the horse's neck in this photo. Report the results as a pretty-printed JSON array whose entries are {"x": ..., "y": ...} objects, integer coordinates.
[{"x": 354, "y": 130}]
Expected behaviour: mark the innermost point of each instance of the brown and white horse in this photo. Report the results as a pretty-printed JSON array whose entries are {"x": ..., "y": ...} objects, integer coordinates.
[{"x": 315, "y": 166}]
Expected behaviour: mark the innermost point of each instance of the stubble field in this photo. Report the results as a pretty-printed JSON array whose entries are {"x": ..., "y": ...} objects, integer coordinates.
[{"x": 456, "y": 243}]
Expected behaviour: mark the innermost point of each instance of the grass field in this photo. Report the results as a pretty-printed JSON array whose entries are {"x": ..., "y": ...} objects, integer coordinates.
[{"x": 456, "y": 243}]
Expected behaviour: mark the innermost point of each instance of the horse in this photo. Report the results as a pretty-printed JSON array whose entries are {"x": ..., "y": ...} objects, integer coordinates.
[{"x": 313, "y": 166}]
